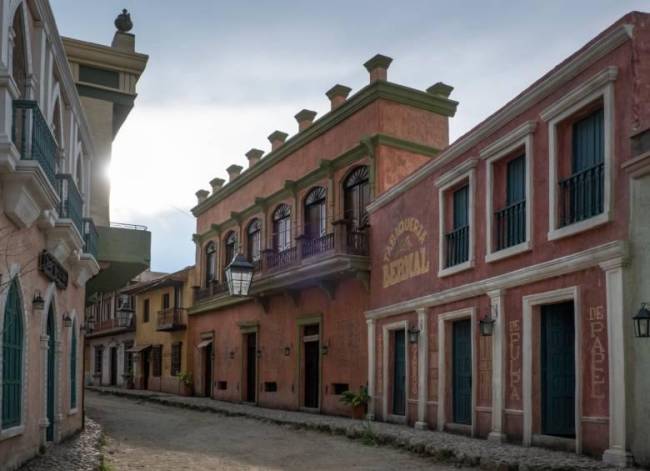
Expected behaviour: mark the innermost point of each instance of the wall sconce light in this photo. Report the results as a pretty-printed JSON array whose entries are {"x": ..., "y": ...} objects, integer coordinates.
[
  {"x": 414, "y": 334},
  {"x": 38, "y": 304},
  {"x": 287, "y": 351},
  {"x": 324, "y": 349},
  {"x": 259, "y": 354},
  {"x": 67, "y": 320},
  {"x": 486, "y": 325},
  {"x": 642, "y": 322},
  {"x": 231, "y": 355}
]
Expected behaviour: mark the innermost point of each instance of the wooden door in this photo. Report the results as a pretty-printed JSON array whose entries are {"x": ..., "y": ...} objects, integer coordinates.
[
  {"x": 462, "y": 372},
  {"x": 50, "y": 375},
  {"x": 145, "y": 369},
  {"x": 113, "y": 380},
  {"x": 251, "y": 370},
  {"x": 399, "y": 373},
  {"x": 558, "y": 370},
  {"x": 207, "y": 378}
]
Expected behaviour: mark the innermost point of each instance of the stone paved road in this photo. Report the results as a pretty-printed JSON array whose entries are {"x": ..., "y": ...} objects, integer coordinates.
[{"x": 145, "y": 436}]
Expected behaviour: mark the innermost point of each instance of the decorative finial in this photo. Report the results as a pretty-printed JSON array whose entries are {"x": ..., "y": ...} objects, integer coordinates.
[{"x": 123, "y": 22}]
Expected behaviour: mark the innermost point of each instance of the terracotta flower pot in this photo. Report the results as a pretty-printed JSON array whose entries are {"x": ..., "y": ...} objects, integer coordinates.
[{"x": 359, "y": 412}]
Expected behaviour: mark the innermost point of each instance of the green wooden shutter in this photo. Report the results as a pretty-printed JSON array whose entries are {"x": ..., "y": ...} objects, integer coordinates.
[
  {"x": 588, "y": 141},
  {"x": 516, "y": 184},
  {"x": 12, "y": 359},
  {"x": 461, "y": 208},
  {"x": 73, "y": 366}
]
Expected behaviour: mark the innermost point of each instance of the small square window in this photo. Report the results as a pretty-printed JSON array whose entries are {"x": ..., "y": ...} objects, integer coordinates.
[
  {"x": 270, "y": 386},
  {"x": 340, "y": 388}
]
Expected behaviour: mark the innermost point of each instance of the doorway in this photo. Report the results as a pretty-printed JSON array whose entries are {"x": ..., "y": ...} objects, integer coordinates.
[
  {"x": 558, "y": 369},
  {"x": 399, "y": 372},
  {"x": 462, "y": 372},
  {"x": 113, "y": 371},
  {"x": 145, "y": 368},
  {"x": 49, "y": 434},
  {"x": 311, "y": 366},
  {"x": 207, "y": 371},
  {"x": 250, "y": 392}
]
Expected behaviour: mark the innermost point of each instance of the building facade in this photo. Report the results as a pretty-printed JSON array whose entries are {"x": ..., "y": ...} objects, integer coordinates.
[
  {"x": 536, "y": 223},
  {"x": 298, "y": 214},
  {"x": 49, "y": 220},
  {"x": 161, "y": 350}
]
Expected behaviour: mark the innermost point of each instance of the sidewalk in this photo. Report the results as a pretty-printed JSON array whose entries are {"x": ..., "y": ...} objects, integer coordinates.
[{"x": 442, "y": 447}]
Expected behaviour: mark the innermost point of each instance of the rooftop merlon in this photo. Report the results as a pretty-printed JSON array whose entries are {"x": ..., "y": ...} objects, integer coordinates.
[
  {"x": 305, "y": 119},
  {"x": 337, "y": 95},
  {"x": 277, "y": 138},
  {"x": 254, "y": 156},
  {"x": 377, "y": 67},
  {"x": 233, "y": 171},
  {"x": 440, "y": 89}
]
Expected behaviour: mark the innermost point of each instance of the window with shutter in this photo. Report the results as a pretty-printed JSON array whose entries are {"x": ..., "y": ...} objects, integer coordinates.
[
  {"x": 176, "y": 358},
  {"x": 156, "y": 353}
]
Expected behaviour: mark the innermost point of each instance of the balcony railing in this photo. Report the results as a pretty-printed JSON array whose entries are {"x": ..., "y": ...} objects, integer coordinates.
[
  {"x": 71, "y": 205},
  {"x": 280, "y": 259},
  {"x": 317, "y": 246},
  {"x": 172, "y": 318},
  {"x": 33, "y": 138},
  {"x": 90, "y": 237},
  {"x": 582, "y": 195},
  {"x": 212, "y": 289},
  {"x": 118, "y": 322},
  {"x": 457, "y": 246},
  {"x": 510, "y": 227}
]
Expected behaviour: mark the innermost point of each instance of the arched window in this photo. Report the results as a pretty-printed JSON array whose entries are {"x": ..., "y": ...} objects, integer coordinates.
[
  {"x": 282, "y": 228},
  {"x": 210, "y": 262},
  {"x": 316, "y": 213},
  {"x": 254, "y": 245},
  {"x": 231, "y": 248},
  {"x": 12, "y": 359},
  {"x": 73, "y": 366},
  {"x": 356, "y": 190},
  {"x": 19, "y": 57}
]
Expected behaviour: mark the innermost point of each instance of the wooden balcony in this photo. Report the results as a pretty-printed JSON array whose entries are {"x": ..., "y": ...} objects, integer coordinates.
[
  {"x": 170, "y": 319},
  {"x": 310, "y": 262}
]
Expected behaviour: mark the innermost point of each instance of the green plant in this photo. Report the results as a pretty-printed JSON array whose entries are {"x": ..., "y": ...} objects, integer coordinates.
[
  {"x": 368, "y": 436},
  {"x": 185, "y": 378},
  {"x": 355, "y": 399}
]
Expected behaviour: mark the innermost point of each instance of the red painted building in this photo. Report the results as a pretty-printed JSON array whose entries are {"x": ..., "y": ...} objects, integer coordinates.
[
  {"x": 530, "y": 220},
  {"x": 299, "y": 214}
]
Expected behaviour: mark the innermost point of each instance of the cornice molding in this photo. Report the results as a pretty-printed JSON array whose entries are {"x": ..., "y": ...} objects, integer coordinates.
[
  {"x": 513, "y": 137},
  {"x": 535, "y": 93}
]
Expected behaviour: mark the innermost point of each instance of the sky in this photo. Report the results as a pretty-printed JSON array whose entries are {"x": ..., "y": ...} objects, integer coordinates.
[{"x": 223, "y": 75}]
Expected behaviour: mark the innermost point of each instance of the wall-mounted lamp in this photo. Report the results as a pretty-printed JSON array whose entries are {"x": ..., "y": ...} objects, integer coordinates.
[
  {"x": 486, "y": 325},
  {"x": 287, "y": 351},
  {"x": 259, "y": 354},
  {"x": 67, "y": 320},
  {"x": 642, "y": 322},
  {"x": 324, "y": 349},
  {"x": 38, "y": 303},
  {"x": 414, "y": 334},
  {"x": 231, "y": 355}
]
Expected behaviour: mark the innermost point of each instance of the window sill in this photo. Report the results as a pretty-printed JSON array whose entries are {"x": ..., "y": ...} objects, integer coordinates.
[
  {"x": 508, "y": 252},
  {"x": 12, "y": 432},
  {"x": 578, "y": 227},
  {"x": 456, "y": 269}
]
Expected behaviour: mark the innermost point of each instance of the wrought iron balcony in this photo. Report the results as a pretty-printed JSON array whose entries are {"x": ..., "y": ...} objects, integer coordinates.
[
  {"x": 510, "y": 227},
  {"x": 582, "y": 195},
  {"x": 33, "y": 137},
  {"x": 173, "y": 318},
  {"x": 113, "y": 326},
  {"x": 457, "y": 246},
  {"x": 212, "y": 289},
  {"x": 71, "y": 204},
  {"x": 90, "y": 237}
]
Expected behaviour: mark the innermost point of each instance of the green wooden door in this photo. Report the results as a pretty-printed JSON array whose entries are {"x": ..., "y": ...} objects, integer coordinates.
[
  {"x": 399, "y": 373},
  {"x": 12, "y": 359},
  {"x": 462, "y": 372},
  {"x": 50, "y": 375},
  {"x": 558, "y": 370}
]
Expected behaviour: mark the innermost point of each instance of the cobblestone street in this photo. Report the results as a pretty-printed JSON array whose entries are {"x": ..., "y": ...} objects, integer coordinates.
[{"x": 140, "y": 435}]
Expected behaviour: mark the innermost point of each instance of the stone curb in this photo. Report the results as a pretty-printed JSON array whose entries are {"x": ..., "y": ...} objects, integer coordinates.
[{"x": 405, "y": 439}]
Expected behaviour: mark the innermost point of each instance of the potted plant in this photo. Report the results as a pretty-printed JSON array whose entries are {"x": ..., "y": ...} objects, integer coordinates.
[
  {"x": 128, "y": 379},
  {"x": 358, "y": 401},
  {"x": 186, "y": 383}
]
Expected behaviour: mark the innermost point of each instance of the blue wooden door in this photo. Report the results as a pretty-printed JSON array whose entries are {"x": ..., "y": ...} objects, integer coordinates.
[
  {"x": 399, "y": 373},
  {"x": 50, "y": 375},
  {"x": 462, "y": 372},
  {"x": 558, "y": 370}
]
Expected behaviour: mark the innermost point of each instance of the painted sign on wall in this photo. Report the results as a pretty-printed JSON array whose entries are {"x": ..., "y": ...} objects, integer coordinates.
[{"x": 406, "y": 254}]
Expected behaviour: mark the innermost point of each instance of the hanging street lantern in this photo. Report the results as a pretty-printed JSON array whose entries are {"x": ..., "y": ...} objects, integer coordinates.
[
  {"x": 38, "y": 303},
  {"x": 67, "y": 320},
  {"x": 642, "y": 322},
  {"x": 414, "y": 334},
  {"x": 123, "y": 318},
  {"x": 239, "y": 274},
  {"x": 90, "y": 324},
  {"x": 486, "y": 325}
]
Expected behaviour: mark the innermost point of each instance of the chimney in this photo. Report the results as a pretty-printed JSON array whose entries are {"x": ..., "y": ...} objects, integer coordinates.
[
  {"x": 305, "y": 118},
  {"x": 202, "y": 195},
  {"x": 216, "y": 184},
  {"x": 123, "y": 39},
  {"x": 377, "y": 67},
  {"x": 337, "y": 95},
  {"x": 233, "y": 171},
  {"x": 277, "y": 138},
  {"x": 254, "y": 156},
  {"x": 440, "y": 89}
]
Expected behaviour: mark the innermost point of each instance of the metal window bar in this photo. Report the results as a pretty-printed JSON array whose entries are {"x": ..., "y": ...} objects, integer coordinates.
[
  {"x": 582, "y": 195},
  {"x": 71, "y": 204},
  {"x": 33, "y": 137},
  {"x": 457, "y": 246},
  {"x": 510, "y": 227}
]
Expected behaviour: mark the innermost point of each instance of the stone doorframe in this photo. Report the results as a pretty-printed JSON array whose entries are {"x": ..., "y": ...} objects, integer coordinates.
[
  {"x": 448, "y": 317},
  {"x": 386, "y": 330},
  {"x": 529, "y": 303}
]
